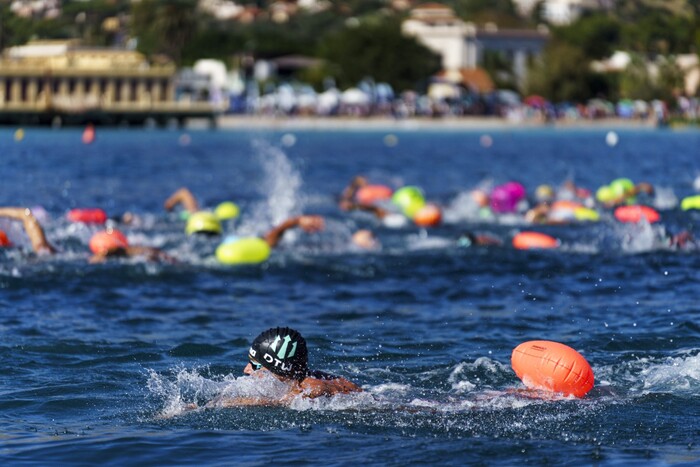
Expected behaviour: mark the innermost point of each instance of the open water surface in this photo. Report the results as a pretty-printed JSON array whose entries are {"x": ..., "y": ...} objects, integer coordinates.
[{"x": 99, "y": 360}]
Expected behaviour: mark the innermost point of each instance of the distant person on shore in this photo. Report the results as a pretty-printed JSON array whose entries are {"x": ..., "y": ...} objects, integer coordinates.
[{"x": 282, "y": 354}]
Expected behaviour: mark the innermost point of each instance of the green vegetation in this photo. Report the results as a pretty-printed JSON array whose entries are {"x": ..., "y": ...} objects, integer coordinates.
[{"x": 361, "y": 38}]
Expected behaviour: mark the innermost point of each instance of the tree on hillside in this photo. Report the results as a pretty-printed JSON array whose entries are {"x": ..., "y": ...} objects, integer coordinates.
[
  {"x": 380, "y": 51},
  {"x": 596, "y": 35},
  {"x": 164, "y": 27},
  {"x": 563, "y": 74}
]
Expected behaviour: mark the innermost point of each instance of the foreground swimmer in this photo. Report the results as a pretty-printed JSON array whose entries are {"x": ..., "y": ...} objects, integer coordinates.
[
  {"x": 31, "y": 227},
  {"x": 283, "y": 353}
]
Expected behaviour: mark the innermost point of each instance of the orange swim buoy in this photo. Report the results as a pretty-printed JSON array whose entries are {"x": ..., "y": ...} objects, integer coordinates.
[
  {"x": 106, "y": 240},
  {"x": 87, "y": 216},
  {"x": 429, "y": 215},
  {"x": 4, "y": 241},
  {"x": 370, "y": 194},
  {"x": 635, "y": 213},
  {"x": 552, "y": 366},
  {"x": 534, "y": 240},
  {"x": 566, "y": 205},
  {"x": 88, "y": 134}
]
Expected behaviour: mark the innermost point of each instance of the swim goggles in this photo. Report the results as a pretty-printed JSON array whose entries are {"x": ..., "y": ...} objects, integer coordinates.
[{"x": 256, "y": 366}]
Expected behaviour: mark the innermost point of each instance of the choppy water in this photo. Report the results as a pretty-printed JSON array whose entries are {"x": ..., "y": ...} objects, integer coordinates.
[{"x": 96, "y": 355}]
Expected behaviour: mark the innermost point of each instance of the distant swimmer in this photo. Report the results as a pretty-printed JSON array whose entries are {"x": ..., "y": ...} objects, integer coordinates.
[
  {"x": 468, "y": 239},
  {"x": 282, "y": 352},
  {"x": 111, "y": 243},
  {"x": 182, "y": 196},
  {"x": 32, "y": 228},
  {"x": 253, "y": 250},
  {"x": 200, "y": 221}
]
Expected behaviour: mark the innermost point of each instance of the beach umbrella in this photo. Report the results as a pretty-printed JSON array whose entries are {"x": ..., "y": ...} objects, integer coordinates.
[
  {"x": 535, "y": 101},
  {"x": 354, "y": 96}
]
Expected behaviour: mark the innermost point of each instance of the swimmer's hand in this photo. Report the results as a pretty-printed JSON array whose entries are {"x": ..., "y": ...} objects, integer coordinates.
[{"x": 311, "y": 223}]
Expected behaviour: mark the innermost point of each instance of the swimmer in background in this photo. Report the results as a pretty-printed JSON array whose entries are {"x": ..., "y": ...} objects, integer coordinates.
[
  {"x": 111, "y": 243},
  {"x": 468, "y": 239},
  {"x": 282, "y": 352},
  {"x": 32, "y": 228},
  {"x": 182, "y": 196}
]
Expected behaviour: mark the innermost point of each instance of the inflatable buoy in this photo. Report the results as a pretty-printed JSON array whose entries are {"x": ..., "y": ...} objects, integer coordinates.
[
  {"x": 370, "y": 194},
  {"x": 552, "y": 366},
  {"x": 227, "y": 210},
  {"x": 4, "y": 241},
  {"x": 203, "y": 222},
  {"x": 103, "y": 242},
  {"x": 429, "y": 215},
  {"x": 88, "y": 134},
  {"x": 691, "y": 202},
  {"x": 88, "y": 216},
  {"x": 636, "y": 213},
  {"x": 410, "y": 199},
  {"x": 566, "y": 205},
  {"x": 534, "y": 240},
  {"x": 586, "y": 214},
  {"x": 248, "y": 250}
]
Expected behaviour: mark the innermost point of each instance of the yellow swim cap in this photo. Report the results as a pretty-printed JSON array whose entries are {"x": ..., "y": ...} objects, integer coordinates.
[
  {"x": 691, "y": 202},
  {"x": 586, "y": 214},
  {"x": 203, "y": 222},
  {"x": 227, "y": 210},
  {"x": 410, "y": 199},
  {"x": 605, "y": 194},
  {"x": 248, "y": 250}
]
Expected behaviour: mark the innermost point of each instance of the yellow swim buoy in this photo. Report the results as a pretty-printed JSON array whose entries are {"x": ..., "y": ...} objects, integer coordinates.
[
  {"x": 247, "y": 250},
  {"x": 227, "y": 210}
]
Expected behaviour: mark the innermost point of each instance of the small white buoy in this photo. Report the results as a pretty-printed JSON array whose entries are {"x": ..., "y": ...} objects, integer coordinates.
[{"x": 611, "y": 139}]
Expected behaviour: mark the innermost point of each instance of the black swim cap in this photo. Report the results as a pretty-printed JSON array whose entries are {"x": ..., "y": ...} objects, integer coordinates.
[{"x": 282, "y": 351}]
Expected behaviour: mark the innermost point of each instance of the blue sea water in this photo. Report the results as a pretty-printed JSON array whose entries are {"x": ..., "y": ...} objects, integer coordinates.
[{"x": 100, "y": 359}]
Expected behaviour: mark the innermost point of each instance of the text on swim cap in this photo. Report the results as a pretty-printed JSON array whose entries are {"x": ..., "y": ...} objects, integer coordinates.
[{"x": 278, "y": 363}]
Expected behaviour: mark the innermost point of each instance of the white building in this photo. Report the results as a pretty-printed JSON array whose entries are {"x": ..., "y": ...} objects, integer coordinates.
[
  {"x": 558, "y": 12},
  {"x": 461, "y": 45}
]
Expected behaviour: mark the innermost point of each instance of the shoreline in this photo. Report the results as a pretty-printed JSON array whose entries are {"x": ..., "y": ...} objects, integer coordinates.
[{"x": 246, "y": 122}]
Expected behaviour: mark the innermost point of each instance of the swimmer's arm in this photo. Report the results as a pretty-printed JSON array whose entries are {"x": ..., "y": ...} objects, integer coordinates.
[
  {"x": 31, "y": 227},
  {"x": 182, "y": 196},
  {"x": 226, "y": 402},
  {"x": 376, "y": 210},
  {"x": 150, "y": 253},
  {"x": 307, "y": 223},
  {"x": 349, "y": 192}
]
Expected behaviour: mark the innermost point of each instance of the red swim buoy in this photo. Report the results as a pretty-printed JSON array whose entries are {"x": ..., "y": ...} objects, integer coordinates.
[
  {"x": 429, "y": 215},
  {"x": 88, "y": 134},
  {"x": 102, "y": 242},
  {"x": 88, "y": 216},
  {"x": 635, "y": 213},
  {"x": 370, "y": 194},
  {"x": 551, "y": 366},
  {"x": 4, "y": 241},
  {"x": 534, "y": 240}
]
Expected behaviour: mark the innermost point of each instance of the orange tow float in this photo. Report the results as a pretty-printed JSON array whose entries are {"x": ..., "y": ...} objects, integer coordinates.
[{"x": 551, "y": 366}]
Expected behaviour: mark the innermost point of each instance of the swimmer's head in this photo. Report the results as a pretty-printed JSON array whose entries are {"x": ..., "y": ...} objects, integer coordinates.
[
  {"x": 203, "y": 222},
  {"x": 364, "y": 239},
  {"x": 480, "y": 197},
  {"x": 107, "y": 241},
  {"x": 282, "y": 351},
  {"x": 544, "y": 193}
]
